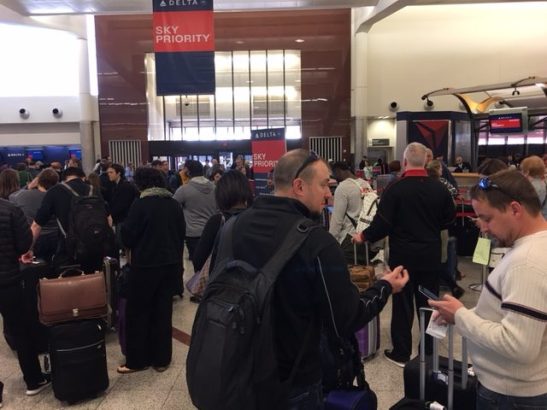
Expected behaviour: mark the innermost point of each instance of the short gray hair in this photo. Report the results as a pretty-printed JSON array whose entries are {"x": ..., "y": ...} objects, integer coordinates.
[
  {"x": 415, "y": 154},
  {"x": 287, "y": 167}
]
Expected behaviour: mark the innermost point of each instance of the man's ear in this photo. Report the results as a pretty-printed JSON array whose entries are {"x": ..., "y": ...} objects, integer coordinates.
[
  {"x": 516, "y": 208},
  {"x": 297, "y": 186}
]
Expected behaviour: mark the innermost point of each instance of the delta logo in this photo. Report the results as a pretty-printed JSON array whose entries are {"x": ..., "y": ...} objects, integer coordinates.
[{"x": 171, "y": 3}]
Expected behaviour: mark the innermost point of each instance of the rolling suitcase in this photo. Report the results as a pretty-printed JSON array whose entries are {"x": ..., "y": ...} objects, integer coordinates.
[
  {"x": 442, "y": 380},
  {"x": 31, "y": 273},
  {"x": 111, "y": 267},
  {"x": 78, "y": 360},
  {"x": 368, "y": 337}
]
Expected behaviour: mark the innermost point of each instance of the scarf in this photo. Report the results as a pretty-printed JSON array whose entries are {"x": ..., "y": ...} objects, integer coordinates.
[{"x": 155, "y": 191}]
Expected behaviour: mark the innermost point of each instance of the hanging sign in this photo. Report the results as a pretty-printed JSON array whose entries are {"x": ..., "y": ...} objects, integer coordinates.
[
  {"x": 267, "y": 146},
  {"x": 184, "y": 44}
]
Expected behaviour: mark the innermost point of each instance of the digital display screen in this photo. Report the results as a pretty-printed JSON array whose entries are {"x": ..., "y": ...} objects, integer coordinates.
[
  {"x": 505, "y": 123},
  {"x": 76, "y": 152},
  {"x": 35, "y": 154}
]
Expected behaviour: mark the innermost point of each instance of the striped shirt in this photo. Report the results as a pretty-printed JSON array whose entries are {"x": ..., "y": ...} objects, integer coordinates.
[{"x": 507, "y": 329}]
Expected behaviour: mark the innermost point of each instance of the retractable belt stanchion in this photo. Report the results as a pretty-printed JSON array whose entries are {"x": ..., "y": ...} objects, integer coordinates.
[{"x": 477, "y": 287}]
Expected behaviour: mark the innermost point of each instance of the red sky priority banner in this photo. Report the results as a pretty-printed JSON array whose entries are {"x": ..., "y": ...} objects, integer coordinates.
[
  {"x": 184, "y": 44},
  {"x": 267, "y": 146}
]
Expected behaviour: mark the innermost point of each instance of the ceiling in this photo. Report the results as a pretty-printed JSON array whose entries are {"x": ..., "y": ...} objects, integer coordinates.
[{"x": 48, "y": 7}]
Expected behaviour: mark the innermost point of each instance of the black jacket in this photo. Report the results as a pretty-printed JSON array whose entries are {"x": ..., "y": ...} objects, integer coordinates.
[
  {"x": 122, "y": 196},
  {"x": 300, "y": 294},
  {"x": 57, "y": 202},
  {"x": 154, "y": 231},
  {"x": 206, "y": 242},
  {"x": 413, "y": 211},
  {"x": 15, "y": 240}
]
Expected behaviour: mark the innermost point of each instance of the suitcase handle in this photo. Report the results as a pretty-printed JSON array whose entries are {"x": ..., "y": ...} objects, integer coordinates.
[
  {"x": 367, "y": 262},
  {"x": 435, "y": 364},
  {"x": 72, "y": 270}
]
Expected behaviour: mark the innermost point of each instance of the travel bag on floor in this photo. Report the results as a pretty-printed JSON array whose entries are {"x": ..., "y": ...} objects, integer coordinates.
[
  {"x": 368, "y": 337},
  {"x": 78, "y": 360},
  {"x": 443, "y": 380}
]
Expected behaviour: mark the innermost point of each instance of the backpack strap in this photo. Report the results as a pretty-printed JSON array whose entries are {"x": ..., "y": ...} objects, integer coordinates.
[
  {"x": 73, "y": 192},
  {"x": 70, "y": 189},
  {"x": 296, "y": 236},
  {"x": 352, "y": 221}
]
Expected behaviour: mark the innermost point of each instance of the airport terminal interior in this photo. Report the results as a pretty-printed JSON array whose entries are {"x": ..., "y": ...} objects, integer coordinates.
[{"x": 348, "y": 79}]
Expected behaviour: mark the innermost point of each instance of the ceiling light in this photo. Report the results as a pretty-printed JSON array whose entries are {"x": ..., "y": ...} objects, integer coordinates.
[
  {"x": 299, "y": 40},
  {"x": 240, "y": 42}
]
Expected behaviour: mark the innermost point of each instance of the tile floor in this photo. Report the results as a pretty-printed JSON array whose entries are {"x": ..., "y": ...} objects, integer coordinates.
[{"x": 152, "y": 390}]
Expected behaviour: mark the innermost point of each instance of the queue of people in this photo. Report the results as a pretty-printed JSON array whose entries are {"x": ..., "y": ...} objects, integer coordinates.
[{"x": 154, "y": 218}]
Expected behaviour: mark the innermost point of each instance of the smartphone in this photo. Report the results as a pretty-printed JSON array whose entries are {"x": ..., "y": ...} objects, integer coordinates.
[{"x": 427, "y": 293}]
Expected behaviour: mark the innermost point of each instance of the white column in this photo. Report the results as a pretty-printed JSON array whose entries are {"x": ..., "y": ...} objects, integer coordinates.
[
  {"x": 359, "y": 90},
  {"x": 86, "y": 110}
]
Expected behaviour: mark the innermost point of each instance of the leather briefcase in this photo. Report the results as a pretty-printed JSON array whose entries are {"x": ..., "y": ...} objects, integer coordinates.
[{"x": 68, "y": 298}]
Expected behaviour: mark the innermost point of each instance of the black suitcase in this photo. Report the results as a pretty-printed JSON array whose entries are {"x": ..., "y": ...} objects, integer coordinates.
[
  {"x": 31, "y": 273},
  {"x": 111, "y": 268},
  {"x": 442, "y": 381},
  {"x": 435, "y": 389},
  {"x": 78, "y": 360}
]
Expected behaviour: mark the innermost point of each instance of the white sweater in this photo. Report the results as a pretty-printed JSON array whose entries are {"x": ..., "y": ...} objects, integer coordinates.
[{"x": 507, "y": 329}]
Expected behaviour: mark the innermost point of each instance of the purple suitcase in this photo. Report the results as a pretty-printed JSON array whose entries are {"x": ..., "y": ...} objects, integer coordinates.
[{"x": 368, "y": 338}]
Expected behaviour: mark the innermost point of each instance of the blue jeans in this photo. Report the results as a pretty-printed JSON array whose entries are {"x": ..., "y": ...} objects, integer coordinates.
[
  {"x": 489, "y": 400},
  {"x": 307, "y": 398}
]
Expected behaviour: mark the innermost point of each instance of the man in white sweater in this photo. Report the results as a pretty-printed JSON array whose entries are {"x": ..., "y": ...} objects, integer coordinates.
[{"x": 507, "y": 329}]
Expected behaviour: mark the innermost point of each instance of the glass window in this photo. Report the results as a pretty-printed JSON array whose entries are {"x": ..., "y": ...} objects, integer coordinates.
[
  {"x": 254, "y": 89},
  {"x": 242, "y": 88},
  {"x": 224, "y": 90},
  {"x": 259, "y": 89}
]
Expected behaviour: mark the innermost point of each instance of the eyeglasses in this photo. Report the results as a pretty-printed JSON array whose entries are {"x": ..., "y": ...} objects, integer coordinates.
[
  {"x": 486, "y": 184},
  {"x": 312, "y": 157}
]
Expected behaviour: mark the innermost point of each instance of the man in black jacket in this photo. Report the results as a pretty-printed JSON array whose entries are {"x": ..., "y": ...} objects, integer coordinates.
[
  {"x": 16, "y": 239},
  {"x": 314, "y": 287},
  {"x": 413, "y": 211},
  {"x": 123, "y": 194}
]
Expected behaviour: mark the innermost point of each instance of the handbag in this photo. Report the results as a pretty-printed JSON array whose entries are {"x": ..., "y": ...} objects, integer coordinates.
[
  {"x": 68, "y": 298},
  {"x": 198, "y": 282},
  {"x": 351, "y": 399}
]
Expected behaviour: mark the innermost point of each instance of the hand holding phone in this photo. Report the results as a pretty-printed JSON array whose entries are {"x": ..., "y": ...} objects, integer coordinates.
[{"x": 427, "y": 293}]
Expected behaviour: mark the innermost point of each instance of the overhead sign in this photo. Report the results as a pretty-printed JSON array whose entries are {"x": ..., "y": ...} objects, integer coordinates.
[
  {"x": 184, "y": 44},
  {"x": 267, "y": 146}
]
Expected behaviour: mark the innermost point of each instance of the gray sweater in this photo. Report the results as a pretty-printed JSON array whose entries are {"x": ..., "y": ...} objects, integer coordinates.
[
  {"x": 197, "y": 198},
  {"x": 347, "y": 199},
  {"x": 29, "y": 200}
]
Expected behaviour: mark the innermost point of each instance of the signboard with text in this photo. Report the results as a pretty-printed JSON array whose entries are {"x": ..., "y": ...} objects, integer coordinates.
[
  {"x": 184, "y": 44},
  {"x": 267, "y": 146}
]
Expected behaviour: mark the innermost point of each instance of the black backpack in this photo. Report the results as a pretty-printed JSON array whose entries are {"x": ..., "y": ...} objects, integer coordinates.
[
  {"x": 89, "y": 234},
  {"x": 232, "y": 362}
]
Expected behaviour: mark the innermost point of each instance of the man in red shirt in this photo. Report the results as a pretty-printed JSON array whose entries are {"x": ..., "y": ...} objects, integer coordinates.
[{"x": 413, "y": 211}]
